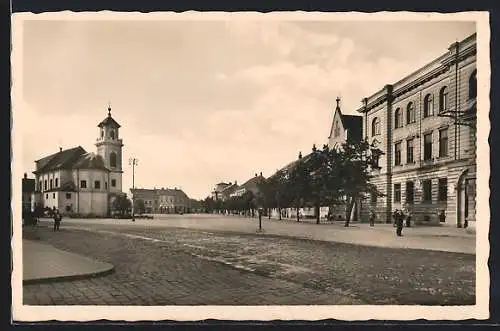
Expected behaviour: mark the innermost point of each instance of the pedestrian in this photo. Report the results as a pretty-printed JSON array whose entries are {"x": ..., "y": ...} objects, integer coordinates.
[
  {"x": 372, "y": 217},
  {"x": 399, "y": 222},
  {"x": 57, "y": 220},
  {"x": 395, "y": 217},
  {"x": 408, "y": 219}
]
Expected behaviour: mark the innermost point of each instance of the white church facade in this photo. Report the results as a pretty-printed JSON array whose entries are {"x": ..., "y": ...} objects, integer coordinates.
[{"x": 77, "y": 182}]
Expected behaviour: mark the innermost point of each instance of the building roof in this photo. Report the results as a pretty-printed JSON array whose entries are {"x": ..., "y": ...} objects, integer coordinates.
[
  {"x": 251, "y": 184},
  {"x": 156, "y": 192},
  {"x": 354, "y": 125},
  {"x": 64, "y": 159},
  {"x": 90, "y": 161},
  {"x": 109, "y": 121}
]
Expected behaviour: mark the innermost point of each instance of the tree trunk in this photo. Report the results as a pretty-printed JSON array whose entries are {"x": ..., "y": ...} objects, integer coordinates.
[
  {"x": 317, "y": 212},
  {"x": 279, "y": 212},
  {"x": 269, "y": 213},
  {"x": 350, "y": 205},
  {"x": 298, "y": 216}
]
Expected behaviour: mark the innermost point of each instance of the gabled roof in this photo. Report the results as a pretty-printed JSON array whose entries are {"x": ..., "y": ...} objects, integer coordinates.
[
  {"x": 352, "y": 123},
  {"x": 251, "y": 184},
  {"x": 90, "y": 161},
  {"x": 109, "y": 121},
  {"x": 61, "y": 160}
]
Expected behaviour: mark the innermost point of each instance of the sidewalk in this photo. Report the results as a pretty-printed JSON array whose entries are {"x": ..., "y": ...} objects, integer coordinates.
[{"x": 45, "y": 263}]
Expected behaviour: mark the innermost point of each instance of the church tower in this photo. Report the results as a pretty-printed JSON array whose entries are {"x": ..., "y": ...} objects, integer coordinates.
[{"x": 109, "y": 147}]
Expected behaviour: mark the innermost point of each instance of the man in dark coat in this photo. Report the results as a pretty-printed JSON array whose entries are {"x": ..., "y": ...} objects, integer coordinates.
[
  {"x": 57, "y": 220},
  {"x": 400, "y": 216}
]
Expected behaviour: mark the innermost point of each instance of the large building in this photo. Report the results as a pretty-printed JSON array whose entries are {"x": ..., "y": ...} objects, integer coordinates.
[
  {"x": 83, "y": 183},
  {"x": 425, "y": 125},
  {"x": 163, "y": 201}
]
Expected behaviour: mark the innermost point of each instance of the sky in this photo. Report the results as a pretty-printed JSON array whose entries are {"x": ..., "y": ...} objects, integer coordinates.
[{"x": 202, "y": 102}]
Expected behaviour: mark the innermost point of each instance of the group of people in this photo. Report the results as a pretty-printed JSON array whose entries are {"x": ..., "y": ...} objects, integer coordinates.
[{"x": 399, "y": 217}]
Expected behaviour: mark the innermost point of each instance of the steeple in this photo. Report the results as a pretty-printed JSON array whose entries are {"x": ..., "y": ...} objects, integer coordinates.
[
  {"x": 109, "y": 109},
  {"x": 338, "y": 103}
]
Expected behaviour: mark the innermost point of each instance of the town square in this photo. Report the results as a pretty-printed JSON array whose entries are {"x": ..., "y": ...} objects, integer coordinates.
[{"x": 250, "y": 163}]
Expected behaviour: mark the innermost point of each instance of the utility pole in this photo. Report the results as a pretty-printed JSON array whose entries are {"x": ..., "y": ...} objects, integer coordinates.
[{"x": 133, "y": 162}]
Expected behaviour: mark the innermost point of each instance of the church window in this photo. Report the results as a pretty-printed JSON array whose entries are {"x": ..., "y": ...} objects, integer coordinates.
[
  {"x": 45, "y": 185},
  {"x": 113, "y": 182},
  {"x": 97, "y": 184},
  {"x": 57, "y": 182},
  {"x": 105, "y": 185},
  {"x": 112, "y": 160},
  {"x": 112, "y": 134},
  {"x": 102, "y": 133},
  {"x": 50, "y": 186},
  {"x": 83, "y": 184},
  {"x": 68, "y": 196},
  {"x": 46, "y": 195},
  {"x": 53, "y": 195}
]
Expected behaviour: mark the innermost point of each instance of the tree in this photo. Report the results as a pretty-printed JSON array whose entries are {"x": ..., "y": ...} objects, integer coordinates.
[
  {"x": 208, "y": 204},
  {"x": 298, "y": 182},
  {"x": 357, "y": 160},
  {"x": 139, "y": 206},
  {"x": 122, "y": 204}
]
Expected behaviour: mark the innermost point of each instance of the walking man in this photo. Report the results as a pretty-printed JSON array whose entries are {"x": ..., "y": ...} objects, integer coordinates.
[
  {"x": 399, "y": 222},
  {"x": 372, "y": 217},
  {"x": 57, "y": 220}
]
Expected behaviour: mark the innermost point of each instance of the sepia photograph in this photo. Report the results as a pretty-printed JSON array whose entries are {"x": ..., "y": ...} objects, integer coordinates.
[{"x": 252, "y": 166}]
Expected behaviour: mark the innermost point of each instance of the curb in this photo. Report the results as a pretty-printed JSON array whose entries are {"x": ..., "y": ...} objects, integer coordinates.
[{"x": 90, "y": 275}]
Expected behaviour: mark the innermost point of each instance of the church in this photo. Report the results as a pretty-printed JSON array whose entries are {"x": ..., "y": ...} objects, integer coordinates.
[{"x": 81, "y": 183}]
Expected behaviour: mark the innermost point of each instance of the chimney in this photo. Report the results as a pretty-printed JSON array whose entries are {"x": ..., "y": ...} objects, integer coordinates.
[
  {"x": 261, "y": 174},
  {"x": 60, "y": 149},
  {"x": 235, "y": 183},
  {"x": 255, "y": 174},
  {"x": 25, "y": 175}
]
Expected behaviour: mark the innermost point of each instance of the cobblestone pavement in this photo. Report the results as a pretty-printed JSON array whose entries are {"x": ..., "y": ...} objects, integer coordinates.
[{"x": 182, "y": 266}]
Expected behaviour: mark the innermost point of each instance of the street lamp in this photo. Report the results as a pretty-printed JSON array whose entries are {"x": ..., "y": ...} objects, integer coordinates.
[{"x": 133, "y": 162}]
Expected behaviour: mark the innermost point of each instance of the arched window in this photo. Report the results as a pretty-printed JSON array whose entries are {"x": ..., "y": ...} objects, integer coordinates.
[
  {"x": 410, "y": 113},
  {"x": 102, "y": 133},
  {"x": 473, "y": 86},
  {"x": 112, "y": 134},
  {"x": 443, "y": 99},
  {"x": 398, "y": 118},
  {"x": 375, "y": 126},
  {"x": 336, "y": 132},
  {"x": 428, "y": 106},
  {"x": 112, "y": 160}
]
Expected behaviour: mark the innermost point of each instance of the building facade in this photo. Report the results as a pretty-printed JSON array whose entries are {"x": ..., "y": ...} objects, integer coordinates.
[
  {"x": 163, "y": 201},
  {"x": 425, "y": 126},
  {"x": 77, "y": 182}
]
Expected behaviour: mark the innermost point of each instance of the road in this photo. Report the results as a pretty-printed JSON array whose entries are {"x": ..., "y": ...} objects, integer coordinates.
[{"x": 164, "y": 265}]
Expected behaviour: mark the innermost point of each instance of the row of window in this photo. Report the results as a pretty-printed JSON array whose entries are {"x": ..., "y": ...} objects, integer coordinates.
[
  {"x": 83, "y": 184},
  {"x": 111, "y": 134},
  {"x": 428, "y": 107},
  {"x": 68, "y": 196},
  {"x": 428, "y": 146},
  {"x": 97, "y": 184},
  {"x": 426, "y": 191}
]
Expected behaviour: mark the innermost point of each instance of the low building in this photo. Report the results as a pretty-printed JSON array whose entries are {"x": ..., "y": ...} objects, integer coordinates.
[
  {"x": 250, "y": 185},
  {"x": 163, "y": 200}
]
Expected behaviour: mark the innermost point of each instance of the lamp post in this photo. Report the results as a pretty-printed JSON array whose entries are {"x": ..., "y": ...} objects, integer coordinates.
[{"x": 133, "y": 162}]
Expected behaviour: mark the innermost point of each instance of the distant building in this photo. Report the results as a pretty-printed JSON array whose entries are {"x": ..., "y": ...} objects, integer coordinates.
[
  {"x": 79, "y": 182},
  {"x": 426, "y": 126},
  {"x": 163, "y": 201},
  {"x": 217, "y": 192},
  {"x": 250, "y": 185}
]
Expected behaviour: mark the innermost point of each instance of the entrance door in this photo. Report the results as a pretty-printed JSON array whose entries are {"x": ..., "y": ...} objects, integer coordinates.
[{"x": 470, "y": 199}]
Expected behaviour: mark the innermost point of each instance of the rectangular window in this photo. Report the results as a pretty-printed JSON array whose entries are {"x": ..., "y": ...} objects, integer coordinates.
[
  {"x": 113, "y": 183},
  {"x": 40, "y": 186},
  {"x": 443, "y": 189},
  {"x": 83, "y": 184},
  {"x": 68, "y": 196},
  {"x": 443, "y": 142},
  {"x": 397, "y": 153},
  {"x": 427, "y": 190},
  {"x": 397, "y": 192},
  {"x": 409, "y": 151},
  {"x": 105, "y": 185},
  {"x": 428, "y": 146},
  {"x": 97, "y": 184},
  {"x": 57, "y": 182},
  {"x": 410, "y": 189},
  {"x": 46, "y": 195},
  {"x": 45, "y": 185},
  {"x": 53, "y": 195},
  {"x": 50, "y": 185}
]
